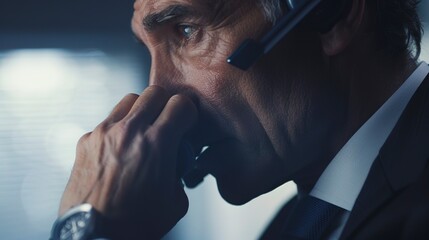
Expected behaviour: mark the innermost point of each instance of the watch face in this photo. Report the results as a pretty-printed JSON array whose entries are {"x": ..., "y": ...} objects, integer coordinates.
[
  {"x": 77, "y": 224},
  {"x": 77, "y": 227}
]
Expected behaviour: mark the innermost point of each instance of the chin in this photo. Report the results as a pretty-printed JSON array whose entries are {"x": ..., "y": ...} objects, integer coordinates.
[
  {"x": 239, "y": 191},
  {"x": 234, "y": 195},
  {"x": 239, "y": 187},
  {"x": 234, "y": 185}
]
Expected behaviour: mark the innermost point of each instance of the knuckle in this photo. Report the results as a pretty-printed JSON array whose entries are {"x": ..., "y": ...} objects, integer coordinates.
[
  {"x": 162, "y": 134},
  {"x": 122, "y": 128},
  {"x": 131, "y": 96},
  {"x": 179, "y": 99},
  {"x": 84, "y": 138},
  {"x": 115, "y": 143},
  {"x": 154, "y": 137},
  {"x": 149, "y": 144},
  {"x": 185, "y": 105},
  {"x": 82, "y": 144},
  {"x": 150, "y": 136},
  {"x": 102, "y": 127},
  {"x": 183, "y": 101},
  {"x": 136, "y": 124},
  {"x": 155, "y": 90}
]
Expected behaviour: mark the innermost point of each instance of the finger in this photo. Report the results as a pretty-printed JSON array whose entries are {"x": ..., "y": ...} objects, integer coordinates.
[
  {"x": 122, "y": 108},
  {"x": 148, "y": 106},
  {"x": 177, "y": 118}
]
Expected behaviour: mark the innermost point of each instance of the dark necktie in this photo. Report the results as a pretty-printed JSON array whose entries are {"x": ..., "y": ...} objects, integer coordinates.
[{"x": 309, "y": 219}]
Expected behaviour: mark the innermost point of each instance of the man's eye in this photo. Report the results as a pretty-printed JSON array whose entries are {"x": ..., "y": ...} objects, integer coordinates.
[{"x": 187, "y": 31}]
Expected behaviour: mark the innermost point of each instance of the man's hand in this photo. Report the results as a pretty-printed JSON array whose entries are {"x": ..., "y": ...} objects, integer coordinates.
[{"x": 126, "y": 167}]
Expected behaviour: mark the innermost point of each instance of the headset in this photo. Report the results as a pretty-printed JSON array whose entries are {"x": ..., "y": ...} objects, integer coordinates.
[{"x": 321, "y": 15}]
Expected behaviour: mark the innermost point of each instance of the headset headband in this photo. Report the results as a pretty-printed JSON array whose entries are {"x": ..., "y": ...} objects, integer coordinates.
[{"x": 323, "y": 14}]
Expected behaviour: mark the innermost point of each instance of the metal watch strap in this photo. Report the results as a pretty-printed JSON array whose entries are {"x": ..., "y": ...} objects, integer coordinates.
[{"x": 85, "y": 220}]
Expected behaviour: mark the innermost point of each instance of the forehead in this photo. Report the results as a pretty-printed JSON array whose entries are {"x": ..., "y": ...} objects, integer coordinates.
[
  {"x": 149, "y": 6},
  {"x": 209, "y": 12},
  {"x": 206, "y": 7}
]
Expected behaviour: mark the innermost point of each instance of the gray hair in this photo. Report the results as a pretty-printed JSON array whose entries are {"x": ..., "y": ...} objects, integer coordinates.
[{"x": 272, "y": 9}]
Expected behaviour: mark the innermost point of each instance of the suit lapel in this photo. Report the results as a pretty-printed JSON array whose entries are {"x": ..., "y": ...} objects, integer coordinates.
[
  {"x": 375, "y": 192},
  {"x": 393, "y": 170}
]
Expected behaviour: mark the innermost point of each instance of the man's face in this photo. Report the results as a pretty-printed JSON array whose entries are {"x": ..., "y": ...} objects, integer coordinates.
[{"x": 252, "y": 120}]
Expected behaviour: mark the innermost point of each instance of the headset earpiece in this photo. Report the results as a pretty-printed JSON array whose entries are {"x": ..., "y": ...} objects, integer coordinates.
[
  {"x": 321, "y": 15},
  {"x": 328, "y": 13}
]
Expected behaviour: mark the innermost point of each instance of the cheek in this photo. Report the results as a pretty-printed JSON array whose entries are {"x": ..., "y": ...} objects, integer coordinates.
[
  {"x": 224, "y": 99},
  {"x": 218, "y": 85},
  {"x": 204, "y": 67},
  {"x": 209, "y": 54},
  {"x": 216, "y": 88}
]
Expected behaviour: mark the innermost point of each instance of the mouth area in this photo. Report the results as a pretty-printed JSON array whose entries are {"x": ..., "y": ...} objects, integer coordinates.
[
  {"x": 211, "y": 141},
  {"x": 198, "y": 164}
]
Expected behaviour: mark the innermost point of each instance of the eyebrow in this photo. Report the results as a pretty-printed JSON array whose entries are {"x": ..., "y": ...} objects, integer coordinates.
[{"x": 170, "y": 13}]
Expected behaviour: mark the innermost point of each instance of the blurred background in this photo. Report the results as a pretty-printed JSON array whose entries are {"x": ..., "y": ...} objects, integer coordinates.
[{"x": 63, "y": 66}]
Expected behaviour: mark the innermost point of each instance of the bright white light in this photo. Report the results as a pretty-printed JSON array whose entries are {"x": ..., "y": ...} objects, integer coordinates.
[
  {"x": 60, "y": 143},
  {"x": 35, "y": 73},
  {"x": 40, "y": 198},
  {"x": 48, "y": 100},
  {"x": 210, "y": 217}
]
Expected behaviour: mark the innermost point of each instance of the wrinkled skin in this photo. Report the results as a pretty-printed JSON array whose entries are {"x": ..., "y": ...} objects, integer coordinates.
[
  {"x": 116, "y": 172},
  {"x": 252, "y": 120},
  {"x": 281, "y": 120}
]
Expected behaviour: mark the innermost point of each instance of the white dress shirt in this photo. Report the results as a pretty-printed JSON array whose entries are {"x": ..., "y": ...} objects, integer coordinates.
[{"x": 343, "y": 179}]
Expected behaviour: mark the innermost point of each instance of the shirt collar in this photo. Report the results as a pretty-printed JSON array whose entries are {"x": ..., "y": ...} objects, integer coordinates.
[{"x": 343, "y": 179}]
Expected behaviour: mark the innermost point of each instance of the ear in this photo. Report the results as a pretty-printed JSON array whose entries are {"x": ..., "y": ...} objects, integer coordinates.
[{"x": 343, "y": 32}]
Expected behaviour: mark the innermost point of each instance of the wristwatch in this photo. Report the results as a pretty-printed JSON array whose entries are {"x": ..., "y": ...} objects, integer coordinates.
[{"x": 82, "y": 222}]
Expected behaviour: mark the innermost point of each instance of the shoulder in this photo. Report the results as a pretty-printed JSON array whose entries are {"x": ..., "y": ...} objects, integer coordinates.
[{"x": 403, "y": 216}]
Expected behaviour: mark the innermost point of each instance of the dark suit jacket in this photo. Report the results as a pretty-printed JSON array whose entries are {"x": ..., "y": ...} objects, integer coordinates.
[{"x": 394, "y": 201}]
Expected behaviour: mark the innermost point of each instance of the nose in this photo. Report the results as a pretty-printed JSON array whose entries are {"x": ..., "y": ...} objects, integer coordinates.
[
  {"x": 163, "y": 73},
  {"x": 158, "y": 72}
]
